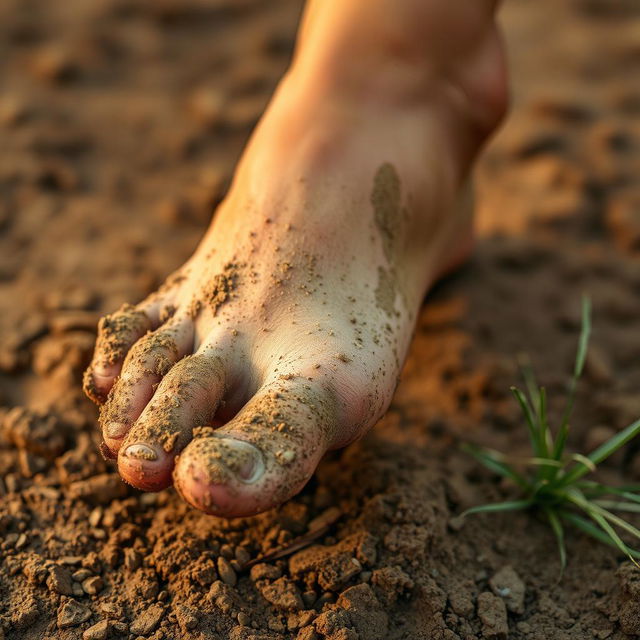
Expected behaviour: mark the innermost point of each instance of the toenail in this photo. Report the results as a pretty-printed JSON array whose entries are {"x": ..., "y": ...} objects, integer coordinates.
[
  {"x": 141, "y": 452},
  {"x": 116, "y": 430},
  {"x": 243, "y": 459}
]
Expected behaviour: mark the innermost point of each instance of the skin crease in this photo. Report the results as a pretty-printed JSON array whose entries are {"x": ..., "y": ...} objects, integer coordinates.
[{"x": 284, "y": 335}]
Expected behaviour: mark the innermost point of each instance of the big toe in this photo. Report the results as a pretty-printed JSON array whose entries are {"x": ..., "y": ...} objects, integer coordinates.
[{"x": 265, "y": 455}]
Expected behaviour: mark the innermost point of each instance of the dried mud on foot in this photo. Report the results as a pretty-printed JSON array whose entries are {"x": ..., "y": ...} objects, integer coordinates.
[{"x": 120, "y": 125}]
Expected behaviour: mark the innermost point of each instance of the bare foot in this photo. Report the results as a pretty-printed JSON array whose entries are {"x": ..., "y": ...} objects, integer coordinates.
[{"x": 283, "y": 336}]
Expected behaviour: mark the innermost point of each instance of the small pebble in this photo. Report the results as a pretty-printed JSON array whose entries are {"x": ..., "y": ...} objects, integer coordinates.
[
  {"x": 98, "y": 631},
  {"x": 226, "y": 572},
  {"x": 242, "y": 555},
  {"x": 72, "y": 613},
  {"x": 93, "y": 585},
  {"x": 244, "y": 619},
  {"x": 226, "y": 550},
  {"x": 81, "y": 575}
]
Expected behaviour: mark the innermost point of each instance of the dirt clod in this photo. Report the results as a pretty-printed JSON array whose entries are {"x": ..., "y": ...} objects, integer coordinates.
[
  {"x": 492, "y": 611},
  {"x": 98, "y": 631},
  {"x": 507, "y": 585},
  {"x": 147, "y": 621},
  {"x": 71, "y": 613}
]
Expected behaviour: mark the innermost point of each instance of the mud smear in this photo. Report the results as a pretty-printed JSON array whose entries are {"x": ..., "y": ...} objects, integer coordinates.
[
  {"x": 386, "y": 292},
  {"x": 385, "y": 199},
  {"x": 81, "y": 553}
]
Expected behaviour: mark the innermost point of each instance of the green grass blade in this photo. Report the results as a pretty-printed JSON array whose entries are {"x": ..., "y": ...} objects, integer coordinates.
[
  {"x": 603, "y": 452},
  {"x": 538, "y": 462},
  {"x": 591, "y": 530},
  {"x": 534, "y": 432},
  {"x": 583, "y": 341},
  {"x": 561, "y": 441},
  {"x": 558, "y": 530},
  {"x": 602, "y": 517},
  {"x": 542, "y": 418},
  {"x": 529, "y": 379},
  {"x": 581, "y": 356},
  {"x": 615, "y": 505},
  {"x": 596, "y": 490},
  {"x": 613, "y": 444},
  {"x": 513, "y": 505},
  {"x": 578, "y": 457},
  {"x": 620, "y": 522},
  {"x": 490, "y": 460},
  {"x": 601, "y": 521}
]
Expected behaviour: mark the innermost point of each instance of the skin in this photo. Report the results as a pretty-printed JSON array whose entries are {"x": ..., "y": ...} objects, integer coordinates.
[{"x": 284, "y": 335}]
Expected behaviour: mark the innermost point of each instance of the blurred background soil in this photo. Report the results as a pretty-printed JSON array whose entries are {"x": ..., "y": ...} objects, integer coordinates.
[{"x": 120, "y": 122}]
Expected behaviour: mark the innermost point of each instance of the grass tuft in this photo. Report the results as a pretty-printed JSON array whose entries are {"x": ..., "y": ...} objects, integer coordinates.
[{"x": 551, "y": 481}]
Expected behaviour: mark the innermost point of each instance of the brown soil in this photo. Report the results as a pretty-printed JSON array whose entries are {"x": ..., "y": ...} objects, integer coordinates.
[{"x": 120, "y": 123}]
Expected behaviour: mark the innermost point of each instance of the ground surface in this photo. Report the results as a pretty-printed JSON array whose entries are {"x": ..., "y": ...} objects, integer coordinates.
[{"x": 120, "y": 122}]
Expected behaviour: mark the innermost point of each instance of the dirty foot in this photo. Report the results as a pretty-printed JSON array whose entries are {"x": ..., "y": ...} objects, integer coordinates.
[{"x": 283, "y": 336}]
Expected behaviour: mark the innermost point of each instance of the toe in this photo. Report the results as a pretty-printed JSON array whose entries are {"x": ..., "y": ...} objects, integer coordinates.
[
  {"x": 117, "y": 332},
  {"x": 188, "y": 396},
  {"x": 265, "y": 455},
  {"x": 146, "y": 364}
]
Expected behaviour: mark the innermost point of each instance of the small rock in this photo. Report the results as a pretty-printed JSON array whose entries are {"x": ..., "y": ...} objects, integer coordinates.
[
  {"x": 226, "y": 572},
  {"x": 337, "y": 569},
  {"x": 226, "y": 551},
  {"x": 120, "y": 627},
  {"x": 242, "y": 556},
  {"x": 147, "y": 621},
  {"x": 264, "y": 571},
  {"x": 72, "y": 613},
  {"x": 307, "y": 633},
  {"x": 98, "y": 631},
  {"x": 492, "y": 611},
  {"x": 22, "y": 541},
  {"x": 185, "y": 617},
  {"x": 95, "y": 516},
  {"x": 132, "y": 559},
  {"x": 26, "y": 614},
  {"x": 244, "y": 619},
  {"x": 81, "y": 575},
  {"x": 59, "y": 581},
  {"x": 111, "y": 609},
  {"x": 93, "y": 585},
  {"x": 507, "y": 585},
  {"x": 282, "y": 594}
]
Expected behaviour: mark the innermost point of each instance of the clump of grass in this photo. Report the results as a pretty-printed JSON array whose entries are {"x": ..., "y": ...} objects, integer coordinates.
[{"x": 553, "y": 482}]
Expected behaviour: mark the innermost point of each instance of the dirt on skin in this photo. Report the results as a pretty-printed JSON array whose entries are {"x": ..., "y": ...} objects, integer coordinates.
[{"x": 120, "y": 124}]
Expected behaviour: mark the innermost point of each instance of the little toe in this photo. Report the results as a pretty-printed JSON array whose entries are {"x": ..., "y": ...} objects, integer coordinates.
[
  {"x": 188, "y": 396},
  {"x": 146, "y": 364},
  {"x": 117, "y": 332},
  {"x": 262, "y": 457}
]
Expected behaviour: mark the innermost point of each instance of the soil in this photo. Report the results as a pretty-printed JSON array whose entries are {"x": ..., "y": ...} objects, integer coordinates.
[{"x": 120, "y": 125}]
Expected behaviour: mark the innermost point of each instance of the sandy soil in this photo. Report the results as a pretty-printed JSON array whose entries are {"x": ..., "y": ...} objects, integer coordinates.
[{"x": 120, "y": 122}]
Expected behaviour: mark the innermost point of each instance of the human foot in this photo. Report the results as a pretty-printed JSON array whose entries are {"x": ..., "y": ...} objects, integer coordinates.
[{"x": 283, "y": 336}]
